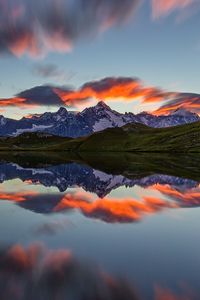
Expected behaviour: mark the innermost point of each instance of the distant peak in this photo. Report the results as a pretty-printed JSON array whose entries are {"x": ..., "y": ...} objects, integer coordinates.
[
  {"x": 102, "y": 104},
  {"x": 145, "y": 113},
  {"x": 181, "y": 112},
  {"x": 62, "y": 111}
]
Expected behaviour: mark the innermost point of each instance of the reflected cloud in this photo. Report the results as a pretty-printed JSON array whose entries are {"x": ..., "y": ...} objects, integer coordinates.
[
  {"x": 188, "y": 197},
  {"x": 109, "y": 209},
  {"x": 40, "y": 273},
  {"x": 167, "y": 294},
  {"x": 51, "y": 228},
  {"x": 114, "y": 210},
  {"x": 37, "y": 272}
]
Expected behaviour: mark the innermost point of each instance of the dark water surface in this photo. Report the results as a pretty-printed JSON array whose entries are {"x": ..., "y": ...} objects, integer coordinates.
[{"x": 99, "y": 226}]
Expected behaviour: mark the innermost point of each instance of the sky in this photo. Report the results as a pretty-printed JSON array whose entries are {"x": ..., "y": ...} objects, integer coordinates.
[{"x": 135, "y": 55}]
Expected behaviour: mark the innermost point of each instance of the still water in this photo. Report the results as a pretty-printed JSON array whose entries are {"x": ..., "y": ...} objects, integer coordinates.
[{"x": 114, "y": 227}]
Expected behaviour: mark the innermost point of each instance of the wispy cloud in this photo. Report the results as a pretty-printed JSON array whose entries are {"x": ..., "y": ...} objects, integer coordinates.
[
  {"x": 186, "y": 101},
  {"x": 51, "y": 71},
  {"x": 165, "y": 7},
  {"x": 36, "y": 27}
]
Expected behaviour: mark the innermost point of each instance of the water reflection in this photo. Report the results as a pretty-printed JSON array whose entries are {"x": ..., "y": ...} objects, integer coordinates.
[
  {"x": 135, "y": 199},
  {"x": 40, "y": 273},
  {"x": 90, "y": 191},
  {"x": 37, "y": 272}
]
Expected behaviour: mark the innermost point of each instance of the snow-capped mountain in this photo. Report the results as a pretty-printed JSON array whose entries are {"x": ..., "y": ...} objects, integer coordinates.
[{"x": 93, "y": 119}]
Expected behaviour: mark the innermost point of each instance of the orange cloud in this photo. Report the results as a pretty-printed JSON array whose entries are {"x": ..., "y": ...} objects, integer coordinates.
[
  {"x": 113, "y": 89},
  {"x": 106, "y": 89},
  {"x": 186, "y": 101},
  {"x": 16, "y": 101}
]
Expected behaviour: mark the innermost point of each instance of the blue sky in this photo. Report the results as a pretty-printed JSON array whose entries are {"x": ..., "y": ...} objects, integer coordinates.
[{"x": 162, "y": 52}]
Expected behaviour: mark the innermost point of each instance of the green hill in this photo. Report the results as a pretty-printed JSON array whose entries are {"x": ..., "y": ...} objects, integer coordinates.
[
  {"x": 30, "y": 141},
  {"x": 140, "y": 138},
  {"x": 130, "y": 138}
]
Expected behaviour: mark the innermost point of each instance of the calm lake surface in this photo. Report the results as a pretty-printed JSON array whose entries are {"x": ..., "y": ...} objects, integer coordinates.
[{"x": 95, "y": 227}]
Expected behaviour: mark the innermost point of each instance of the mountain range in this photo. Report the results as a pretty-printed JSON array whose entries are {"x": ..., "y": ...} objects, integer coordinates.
[{"x": 93, "y": 119}]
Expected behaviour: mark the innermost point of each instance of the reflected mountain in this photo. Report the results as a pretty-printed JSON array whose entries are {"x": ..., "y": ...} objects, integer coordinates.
[
  {"x": 69, "y": 175},
  {"x": 131, "y": 165},
  {"x": 88, "y": 190}
]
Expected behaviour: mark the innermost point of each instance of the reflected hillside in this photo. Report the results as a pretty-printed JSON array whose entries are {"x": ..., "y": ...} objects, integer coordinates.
[{"x": 128, "y": 164}]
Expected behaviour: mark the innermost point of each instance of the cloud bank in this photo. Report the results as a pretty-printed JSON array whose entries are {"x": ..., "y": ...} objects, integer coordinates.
[
  {"x": 106, "y": 89},
  {"x": 36, "y": 27},
  {"x": 124, "y": 89}
]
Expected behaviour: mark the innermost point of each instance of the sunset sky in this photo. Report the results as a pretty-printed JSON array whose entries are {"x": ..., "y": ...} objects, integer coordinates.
[{"x": 89, "y": 50}]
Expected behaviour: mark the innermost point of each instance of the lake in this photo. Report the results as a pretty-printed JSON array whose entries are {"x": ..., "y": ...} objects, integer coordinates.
[{"x": 99, "y": 226}]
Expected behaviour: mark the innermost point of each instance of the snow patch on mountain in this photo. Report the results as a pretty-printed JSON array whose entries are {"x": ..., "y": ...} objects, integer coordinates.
[
  {"x": 102, "y": 176},
  {"x": 34, "y": 128},
  {"x": 102, "y": 124},
  {"x": 33, "y": 171},
  {"x": 2, "y": 121}
]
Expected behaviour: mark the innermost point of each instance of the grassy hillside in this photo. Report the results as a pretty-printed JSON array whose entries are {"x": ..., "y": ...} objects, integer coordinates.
[
  {"x": 130, "y": 138},
  {"x": 31, "y": 141},
  {"x": 137, "y": 137}
]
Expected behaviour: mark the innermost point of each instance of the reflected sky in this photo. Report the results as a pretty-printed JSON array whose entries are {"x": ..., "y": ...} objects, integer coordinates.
[{"x": 141, "y": 228}]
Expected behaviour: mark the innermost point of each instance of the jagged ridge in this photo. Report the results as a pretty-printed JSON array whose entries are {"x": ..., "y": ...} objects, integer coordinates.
[{"x": 69, "y": 124}]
